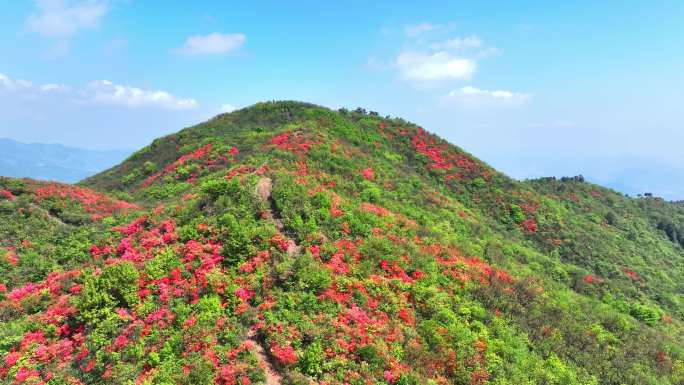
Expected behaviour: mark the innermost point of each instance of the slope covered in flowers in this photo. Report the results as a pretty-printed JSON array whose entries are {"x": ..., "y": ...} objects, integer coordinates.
[{"x": 293, "y": 244}]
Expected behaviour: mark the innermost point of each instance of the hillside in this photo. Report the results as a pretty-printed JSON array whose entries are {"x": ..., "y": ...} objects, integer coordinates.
[
  {"x": 54, "y": 161},
  {"x": 286, "y": 243}
]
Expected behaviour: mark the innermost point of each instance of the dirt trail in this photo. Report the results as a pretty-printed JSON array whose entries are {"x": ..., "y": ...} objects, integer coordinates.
[
  {"x": 49, "y": 216},
  {"x": 272, "y": 376},
  {"x": 263, "y": 190}
]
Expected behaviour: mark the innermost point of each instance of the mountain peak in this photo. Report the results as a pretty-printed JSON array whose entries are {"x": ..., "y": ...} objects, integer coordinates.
[{"x": 297, "y": 123}]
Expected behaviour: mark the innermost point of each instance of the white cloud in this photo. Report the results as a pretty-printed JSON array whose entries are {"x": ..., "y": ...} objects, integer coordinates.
[
  {"x": 474, "y": 96},
  {"x": 212, "y": 44},
  {"x": 425, "y": 61},
  {"x": 64, "y": 18},
  {"x": 426, "y": 67},
  {"x": 458, "y": 43},
  {"x": 9, "y": 84},
  {"x": 102, "y": 92},
  {"x": 414, "y": 30},
  {"x": 228, "y": 108},
  {"x": 54, "y": 88},
  {"x": 469, "y": 45},
  {"x": 26, "y": 87},
  {"x": 107, "y": 93}
]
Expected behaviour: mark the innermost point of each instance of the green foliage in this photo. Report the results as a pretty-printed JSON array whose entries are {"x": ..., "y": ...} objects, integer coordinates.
[
  {"x": 312, "y": 359},
  {"x": 217, "y": 187},
  {"x": 311, "y": 276},
  {"x": 150, "y": 167},
  {"x": 433, "y": 268},
  {"x": 162, "y": 264},
  {"x": 117, "y": 286},
  {"x": 209, "y": 310},
  {"x": 644, "y": 313},
  {"x": 517, "y": 214}
]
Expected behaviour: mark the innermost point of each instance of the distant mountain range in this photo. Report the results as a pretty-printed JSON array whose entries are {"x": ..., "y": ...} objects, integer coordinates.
[{"x": 54, "y": 161}]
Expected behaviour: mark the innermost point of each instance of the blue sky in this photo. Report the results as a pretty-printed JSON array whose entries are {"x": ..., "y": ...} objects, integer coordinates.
[{"x": 535, "y": 89}]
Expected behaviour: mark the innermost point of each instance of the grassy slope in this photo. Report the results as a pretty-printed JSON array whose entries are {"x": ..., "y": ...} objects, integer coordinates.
[{"x": 419, "y": 264}]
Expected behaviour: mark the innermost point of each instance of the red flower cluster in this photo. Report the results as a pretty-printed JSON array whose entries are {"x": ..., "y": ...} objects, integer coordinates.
[
  {"x": 38, "y": 353},
  {"x": 97, "y": 204},
  {"x": 592, "y": 279},
  {"x": 394, "y": 271},
  {"x": 259, "y": 259},
  {"x": 10, "y": 255},
  {"x": 294, "y": 142},
  {"x": 368, "y": 174},
  {"x": 7, "y": 195},
  {"x": 244, "y": 294},
  {"x": 377, "y": 210},
  {"x": 406, "y": 316},
  {"x": 440, "y": 157},
  {"x": 632, "y": 274},
  {"x": 470, "y": 269},
  {"x": 529, "y": 225},
  {"x": 335, "y": 211},
  {"x": 286, "y": 355},
  {"x": 54, "y": 283},
  {"x": 206, "y": 156}
]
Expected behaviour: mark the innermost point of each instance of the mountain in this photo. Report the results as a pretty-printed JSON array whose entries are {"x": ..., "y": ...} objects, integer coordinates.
[
  {"x": 54, "y": 161},
  {"x": 286, "y": 243}
]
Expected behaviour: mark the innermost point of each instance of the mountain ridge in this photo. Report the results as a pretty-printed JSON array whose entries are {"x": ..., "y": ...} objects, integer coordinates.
[
  {"x": 351, "y": 248},
  {"x": 54, "y": 161}
]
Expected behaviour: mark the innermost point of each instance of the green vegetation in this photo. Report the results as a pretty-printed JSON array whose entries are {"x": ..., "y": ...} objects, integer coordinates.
[{"x": 354, "y": 249}]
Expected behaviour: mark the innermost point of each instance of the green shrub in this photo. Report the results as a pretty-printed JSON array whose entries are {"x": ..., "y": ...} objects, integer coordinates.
[{"x": 312, "y": 360}]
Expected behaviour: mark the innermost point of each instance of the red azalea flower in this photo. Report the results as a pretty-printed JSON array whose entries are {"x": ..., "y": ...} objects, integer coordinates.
[
  {"x": 284, "y": 354},
  {"x": 529, "y": 225},
  {"x": 368, "y": 174},
  {"x": 390, "y": 377},
  {"x": 244, "y": 294},
  {"x": 23, "y": 374},
  {"x": 632, "y": 274},
  {"x": 11, "y": 358},
  {"x": 7, "y": 195}
]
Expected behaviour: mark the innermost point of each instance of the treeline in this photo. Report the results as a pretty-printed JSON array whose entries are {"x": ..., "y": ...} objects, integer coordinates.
[{"x": 675, "y": 232}]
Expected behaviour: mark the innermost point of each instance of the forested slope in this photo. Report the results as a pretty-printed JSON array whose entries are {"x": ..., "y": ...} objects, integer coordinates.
[{"x": 289, "y": 243}]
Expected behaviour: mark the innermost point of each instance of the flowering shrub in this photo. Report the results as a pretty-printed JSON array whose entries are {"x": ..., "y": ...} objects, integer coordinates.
[
  {"x": 295, "y": 142},
  {"x": 368, "y": 174},
  {"x": 284, "y": 354},
  {"x": 441, "y": 157},
  {"x": 529, "y": 225},
  {"x": 631, "y": 274},
  {"x": 10, "y": 255},
  {"x": 7, "y": 195},
  {"x": 190, "y": 166},
  {"x": 96, "y": 204},
  {"x": 375, "y": 254}
]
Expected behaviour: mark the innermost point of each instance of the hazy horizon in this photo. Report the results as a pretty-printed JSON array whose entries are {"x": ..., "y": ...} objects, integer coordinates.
[
  {"x": 516, "y": 167},
  {"x": 558, "y": 89}
]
